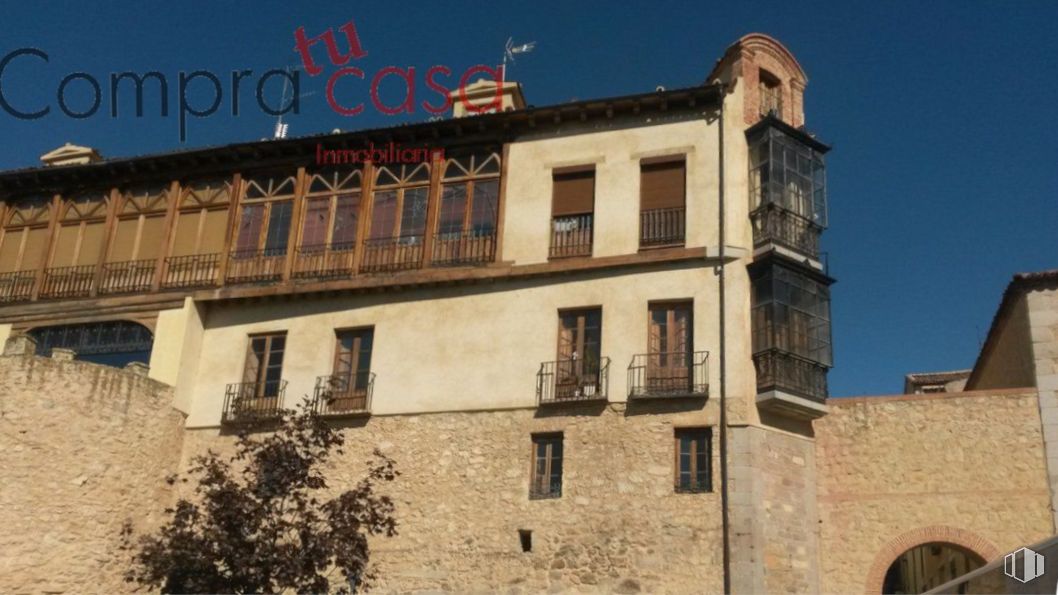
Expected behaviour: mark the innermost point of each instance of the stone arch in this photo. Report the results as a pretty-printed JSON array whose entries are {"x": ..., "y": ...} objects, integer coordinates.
[{"x": 921, "y": 536}]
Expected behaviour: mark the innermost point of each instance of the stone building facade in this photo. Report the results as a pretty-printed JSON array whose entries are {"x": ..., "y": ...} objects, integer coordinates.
[{"x": 634, "y": 281}]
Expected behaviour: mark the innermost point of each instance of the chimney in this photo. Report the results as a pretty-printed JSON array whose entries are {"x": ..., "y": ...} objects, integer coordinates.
[
  {"x": 70, "y": 154},
  {"x": 483, "y": 92}
]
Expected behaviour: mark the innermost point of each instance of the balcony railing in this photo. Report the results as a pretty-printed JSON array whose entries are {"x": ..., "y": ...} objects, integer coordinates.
[
  {"x": 127, "y": 277},
  {"x": 196, "y": 270},
  {"x": 772, "y": 223},
  {"x": 254, "y": 266},
  {"x": 344, "y": 394},
  {"x": 17, "y": 286},
  {"x": 253, "y": 401},
  {"x": 669, "y": 374},
  {"x": 464, "y": 248},
  {"x": 392, "y": 254},
  {"x": 572, "y": 380},
  {"x": 324, "y": 261},
  {"x": 662, "y": 227},
  {"x": 778, "y": 370},
  {"x": 68, "y": 282},
  {"x": 571, "y": 236}
]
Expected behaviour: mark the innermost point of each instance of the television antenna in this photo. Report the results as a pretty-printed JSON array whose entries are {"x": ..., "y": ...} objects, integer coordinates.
[
  {"x": 509, "y": 51},
  {"x": 287, "y": 94}
]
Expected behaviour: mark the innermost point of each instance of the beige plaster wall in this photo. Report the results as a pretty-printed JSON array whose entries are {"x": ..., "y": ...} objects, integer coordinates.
[
  {"x": 83, "y": 449},
  {"x": 1043, "y": 332},
  {"x": 464, "y": 348},
  {"x": 616, "y": 155},
  {"x": 1010, "y": 362},
  {"x": 5, "y": 332},
  {"x": 177, "y": 342},
  {"x": 463, "y": 495},
  {"x": 895, "y": 472}
]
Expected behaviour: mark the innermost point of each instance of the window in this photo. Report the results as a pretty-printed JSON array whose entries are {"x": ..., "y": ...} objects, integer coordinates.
[
  {"x": 694, "y": 460},
  {"x": 332, "y": 210},
  {"x": 791, "y": 313},
  {"x": 265, "y": 222},
  {"x": 263, "y": 373},
  {"x": 579, "y": 353},
  {"x": 671, "y": 347},
  {"x": 547, "y": 466},
  {"x": 352, "y": 370},
  {"x": 572, "y": 212},
  {"x": 398, "y": 218},
  {"x": 770, "y": 94},
  {"x": 662, "y": 201}
]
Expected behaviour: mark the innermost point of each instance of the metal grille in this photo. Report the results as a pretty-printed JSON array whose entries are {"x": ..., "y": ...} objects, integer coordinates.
[{"x": 94, "y": 338}]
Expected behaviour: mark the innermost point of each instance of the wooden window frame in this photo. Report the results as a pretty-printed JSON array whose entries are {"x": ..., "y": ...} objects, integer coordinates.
[
  {"x": 332, "y": 195},
  {"x": 678, "y": 434},
  {"x": 470, "y": 180},
  {"x": 260, "y": 380},
  {"x": 550, "y": 438},
  {"x": 354, "y": 360}
]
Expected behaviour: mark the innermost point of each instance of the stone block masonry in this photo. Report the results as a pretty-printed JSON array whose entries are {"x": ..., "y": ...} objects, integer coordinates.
[{"x": 83, "y": 449}]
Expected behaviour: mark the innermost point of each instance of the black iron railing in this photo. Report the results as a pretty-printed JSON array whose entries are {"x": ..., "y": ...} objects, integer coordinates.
[
  {"x": 324, "y": 261},
  {"x": 779, "y": 370},
  {"x": 68, "y": 282},
  {"x": 254, "y": 266},
  {"x": 392, "y": 254},
  {"x": 464, "y": 248},
  {"x": 669, "y": 374},
  {"x": 196, "y": 270},
  {"x": 773, "y": 223},
  {"x": 127, "y": 277},
  {"x": 573, "y": 380},
  {"x": 571, "y": 236},
  {"x": 17, "y": 286},
  {"x": 662, "y": 227},
  {"x": 253, "y": 401},
  {"x": 344, "y": 394}
]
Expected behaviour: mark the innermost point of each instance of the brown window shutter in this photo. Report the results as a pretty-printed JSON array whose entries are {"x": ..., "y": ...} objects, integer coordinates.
[
  {"x": 662, "y": 185},
  {"x": 573, "y": 192}
]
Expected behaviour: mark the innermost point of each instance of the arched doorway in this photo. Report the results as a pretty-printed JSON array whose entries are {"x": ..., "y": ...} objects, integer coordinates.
[
  {"x": 925, "y": 566},
  {"x": 112, "y": 343}
]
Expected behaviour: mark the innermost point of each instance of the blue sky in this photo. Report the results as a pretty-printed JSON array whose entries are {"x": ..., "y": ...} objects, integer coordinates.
[{"x": 943, "y": 178}]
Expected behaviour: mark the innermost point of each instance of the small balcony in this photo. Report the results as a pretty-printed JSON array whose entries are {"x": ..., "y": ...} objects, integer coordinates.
[
  {"x": 127, "y": 277},
  {"x": 571, "y": 236},
  {"x": 17, "y": 286},
  {"x": 669, "y": 375},
  {"x": 572, "y": 380},
  {"x": 250, "y": 402},
  {"x": 256, "y": 266},
  {"x": 324, "y": 261},
  {"x": 186, "y": 272},
  {"x": 392, "y": 254},
  {"x": 68, "y": 282},
  {"x": 464, "y": 248},
  {"x": 790, "y": 384},
  {"x": 344, "y": 395},
  {"x": 662, "y": 227},
  {"x": 772, "y": 223}
]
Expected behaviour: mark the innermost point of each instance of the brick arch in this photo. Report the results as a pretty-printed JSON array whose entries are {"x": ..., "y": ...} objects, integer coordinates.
[{"x": 932, "y": 534}]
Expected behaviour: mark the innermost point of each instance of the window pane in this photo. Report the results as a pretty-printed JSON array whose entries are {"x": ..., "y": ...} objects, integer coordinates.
[
  {"x": 250, "y": 227},
  {"x": 314, "y": 229},
  {"x": 278, "y": 228},
  {"x": 413, "y": 217},
  {"x": 384, "y": 214},
  {"x": 484, "y": 207},
  {"x": 346, "y": 215},
  {"x": 453, "y": 205}
]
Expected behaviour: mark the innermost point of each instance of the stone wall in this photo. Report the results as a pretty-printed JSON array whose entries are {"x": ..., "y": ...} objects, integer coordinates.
[
  {"x": 773, "y": 511},
  {"x": 463, "y": 496},
  {"x": 896, "y": 472},
  {"x": 83, "y": 448},
  {"x": 1043, "y": 314}
]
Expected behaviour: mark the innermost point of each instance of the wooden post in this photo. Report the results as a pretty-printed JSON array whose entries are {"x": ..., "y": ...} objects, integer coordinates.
[
  {"x": 432, "y": 207},
  {"x": 367, "y": 183},
  {"x": 233, "y": 221},
  {"x": 53, "y": 222},
  {"x": 167, "y": 235},
  {"x": 108, "y": 236},
  {"x": 300, "y": 188}
]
